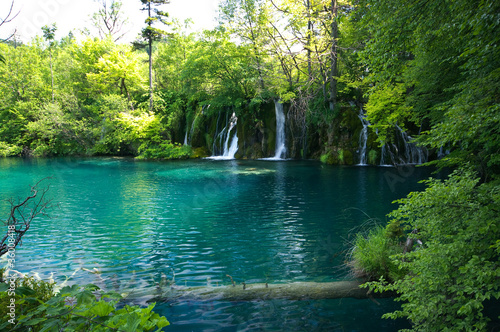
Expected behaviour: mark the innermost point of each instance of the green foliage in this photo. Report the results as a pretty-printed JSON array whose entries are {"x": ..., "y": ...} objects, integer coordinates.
[
  {"x": 371, "y": 255},
  {"x": 386, "y": 108},
  {"x": 165, "y": 150},
  {"x": 327, "y": 158},
  {"x": 373, "y": 157},
  {"x": 437, "y": 70},
  {"x": 8, "y": 150},
  {"x": 73, "y": 308},
  {"x": 455, "y": 271},
  {"x": 55, "y": 132}
]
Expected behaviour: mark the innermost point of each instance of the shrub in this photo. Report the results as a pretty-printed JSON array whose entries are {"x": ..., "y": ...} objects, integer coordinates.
[
  {"x": 166, "y": 150},
  {"x": 371, "y": 256},
  {"x": 455, "y": 272},
  {"x": 73, "y": 308},
  {"x": 8, "y": 150}
]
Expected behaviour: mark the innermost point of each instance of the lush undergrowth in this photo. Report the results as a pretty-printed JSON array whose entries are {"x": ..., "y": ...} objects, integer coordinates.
[
  {"x": 27, "y": 304},
  {"x": 452, "y": 272}
]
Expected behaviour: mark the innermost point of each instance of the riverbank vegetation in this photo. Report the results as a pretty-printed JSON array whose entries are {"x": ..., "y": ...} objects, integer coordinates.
[
  {"x": 39, "y": 307},
  {"x": 422, "y": 69}
]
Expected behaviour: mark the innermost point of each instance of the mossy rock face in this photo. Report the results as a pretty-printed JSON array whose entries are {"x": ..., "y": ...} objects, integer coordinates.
[
  {"x": 329, "y": 158},
  {"x": 348, "y": 158},
  {"x": 373, "y": 157},
  {"x": 200, "y": 152},
  {"x": 255, "y": 151}
]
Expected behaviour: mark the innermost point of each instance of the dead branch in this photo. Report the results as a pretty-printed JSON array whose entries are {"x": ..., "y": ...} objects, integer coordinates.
[
  {"x": 8, "y": 18},
  {"x": 22, "y": 214}
]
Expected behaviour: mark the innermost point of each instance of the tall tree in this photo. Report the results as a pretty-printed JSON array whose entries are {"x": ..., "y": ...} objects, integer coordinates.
[
  {"x": 49, "y": 34},
  {"x": 109, "y": 20},
  {"x": 248, "y": 19},
  {"x": 151, "y": 34},
  {"x": 334, "y": 55}
]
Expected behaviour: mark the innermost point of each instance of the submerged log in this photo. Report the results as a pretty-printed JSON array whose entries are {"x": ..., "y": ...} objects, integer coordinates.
[{"x": 264, "y": 291}]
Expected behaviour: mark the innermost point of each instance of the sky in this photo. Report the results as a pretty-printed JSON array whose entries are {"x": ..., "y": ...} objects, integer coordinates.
[{"x": 75, "y": 15}]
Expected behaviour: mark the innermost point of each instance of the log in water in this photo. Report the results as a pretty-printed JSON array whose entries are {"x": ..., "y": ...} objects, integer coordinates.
[{"x": 262, "y": 291}]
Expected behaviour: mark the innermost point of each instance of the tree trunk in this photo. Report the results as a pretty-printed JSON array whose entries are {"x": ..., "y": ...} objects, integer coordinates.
[
  {"x": 334, "y": 56},
  {"x": 150, "y": 51},
  {"x": 51, "y": 75},
  {"x": 309, "y": 36},
  {"x": 260, "y": 291},
  {"x": 123, "y": 87}
]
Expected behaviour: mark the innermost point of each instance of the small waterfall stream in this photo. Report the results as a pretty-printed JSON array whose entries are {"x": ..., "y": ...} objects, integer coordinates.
[
  {"x": 402, "y": 151},
  {"x": 280, "y": 131},
  {"x": 412, "y": 153},
  {"x": 280, "y": 150},
  {"x": 221, "y": 141},
  {"x": 363, "y": 138}
]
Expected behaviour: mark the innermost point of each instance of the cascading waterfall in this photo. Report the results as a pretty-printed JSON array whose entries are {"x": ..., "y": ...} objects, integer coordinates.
[
  {"x": 227, "y": 149},
  {"x": 363, "y": 138},
  {"x": 280, "y": 131},
  {"x": 412, "y": 153},
  {"x": 280, "y": 149},
  {"x": 402, "y": 151},
  {"x": 188, "y": 137}
]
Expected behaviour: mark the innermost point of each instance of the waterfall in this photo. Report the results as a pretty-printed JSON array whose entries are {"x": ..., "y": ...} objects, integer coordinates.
[
  {"x": 442, "y": 153},
  {"x": 188, "y": 137},
  {"x": 280, "y": 147},
  {"x": 411, "y": 154},
  {"x": 228, "y": 149},
  {"x": 363, "y": 138},
  {"x": 280, "y": 131}
]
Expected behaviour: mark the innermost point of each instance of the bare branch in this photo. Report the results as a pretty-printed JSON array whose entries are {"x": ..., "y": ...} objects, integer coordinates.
[
  {"x": 9, "y": 19},
  {"x": 22, "y": 214}
]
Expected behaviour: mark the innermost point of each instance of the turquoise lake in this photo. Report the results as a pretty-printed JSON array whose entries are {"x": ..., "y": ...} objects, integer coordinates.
[{"x": 141, "y": 223}]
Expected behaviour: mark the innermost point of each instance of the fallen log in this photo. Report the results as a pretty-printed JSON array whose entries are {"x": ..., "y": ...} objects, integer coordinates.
[{"x": 264, "y": 291}]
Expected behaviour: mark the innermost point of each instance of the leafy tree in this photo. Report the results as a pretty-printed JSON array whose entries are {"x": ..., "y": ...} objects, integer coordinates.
[
  {"x": 436, "y": 72},
  {"x": 83, "y": 59},
  {"x": 151, "y": 34},
  {"x": 220, "y": 69},
  {"x": 118, "y": 70},
  {"x": 454, "y": 273},
  {"x": 171, "y": 57},
  {"x": 49, "y": 34}
]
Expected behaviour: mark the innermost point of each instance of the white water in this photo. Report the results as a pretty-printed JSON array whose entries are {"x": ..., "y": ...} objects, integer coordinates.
[
  {"x": 189, "y": 138},
  {"x": 363, "y": 138},
  {"x": 280, "y": 150},
  {"x": 228, "y": 150},
  {"x": 413, "y": 154}
]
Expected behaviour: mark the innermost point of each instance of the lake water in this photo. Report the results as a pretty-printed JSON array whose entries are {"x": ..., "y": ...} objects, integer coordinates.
[{"x": 141, "y": 223}]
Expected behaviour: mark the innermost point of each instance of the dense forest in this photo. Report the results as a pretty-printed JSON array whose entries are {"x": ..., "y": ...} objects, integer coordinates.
[
  {"x": 427, "y": 71},
  {"x": 404, "y": 75}
]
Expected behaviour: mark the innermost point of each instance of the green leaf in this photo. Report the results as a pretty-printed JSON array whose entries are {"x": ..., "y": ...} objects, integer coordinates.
[
  {"x": 35, "y": 321},
  {"x": 3, "y": 287},
  {"x": 102, "y": 308},
  {"x": 24, "y": 291},
  {"x": 133, "y": 322},
  {"x": 85, "y": 297},
  {"x": 50, "y": 324}
]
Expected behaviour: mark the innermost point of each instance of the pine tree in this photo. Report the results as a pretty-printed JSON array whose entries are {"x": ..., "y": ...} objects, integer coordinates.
[{"x": 151, "y": 34}]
